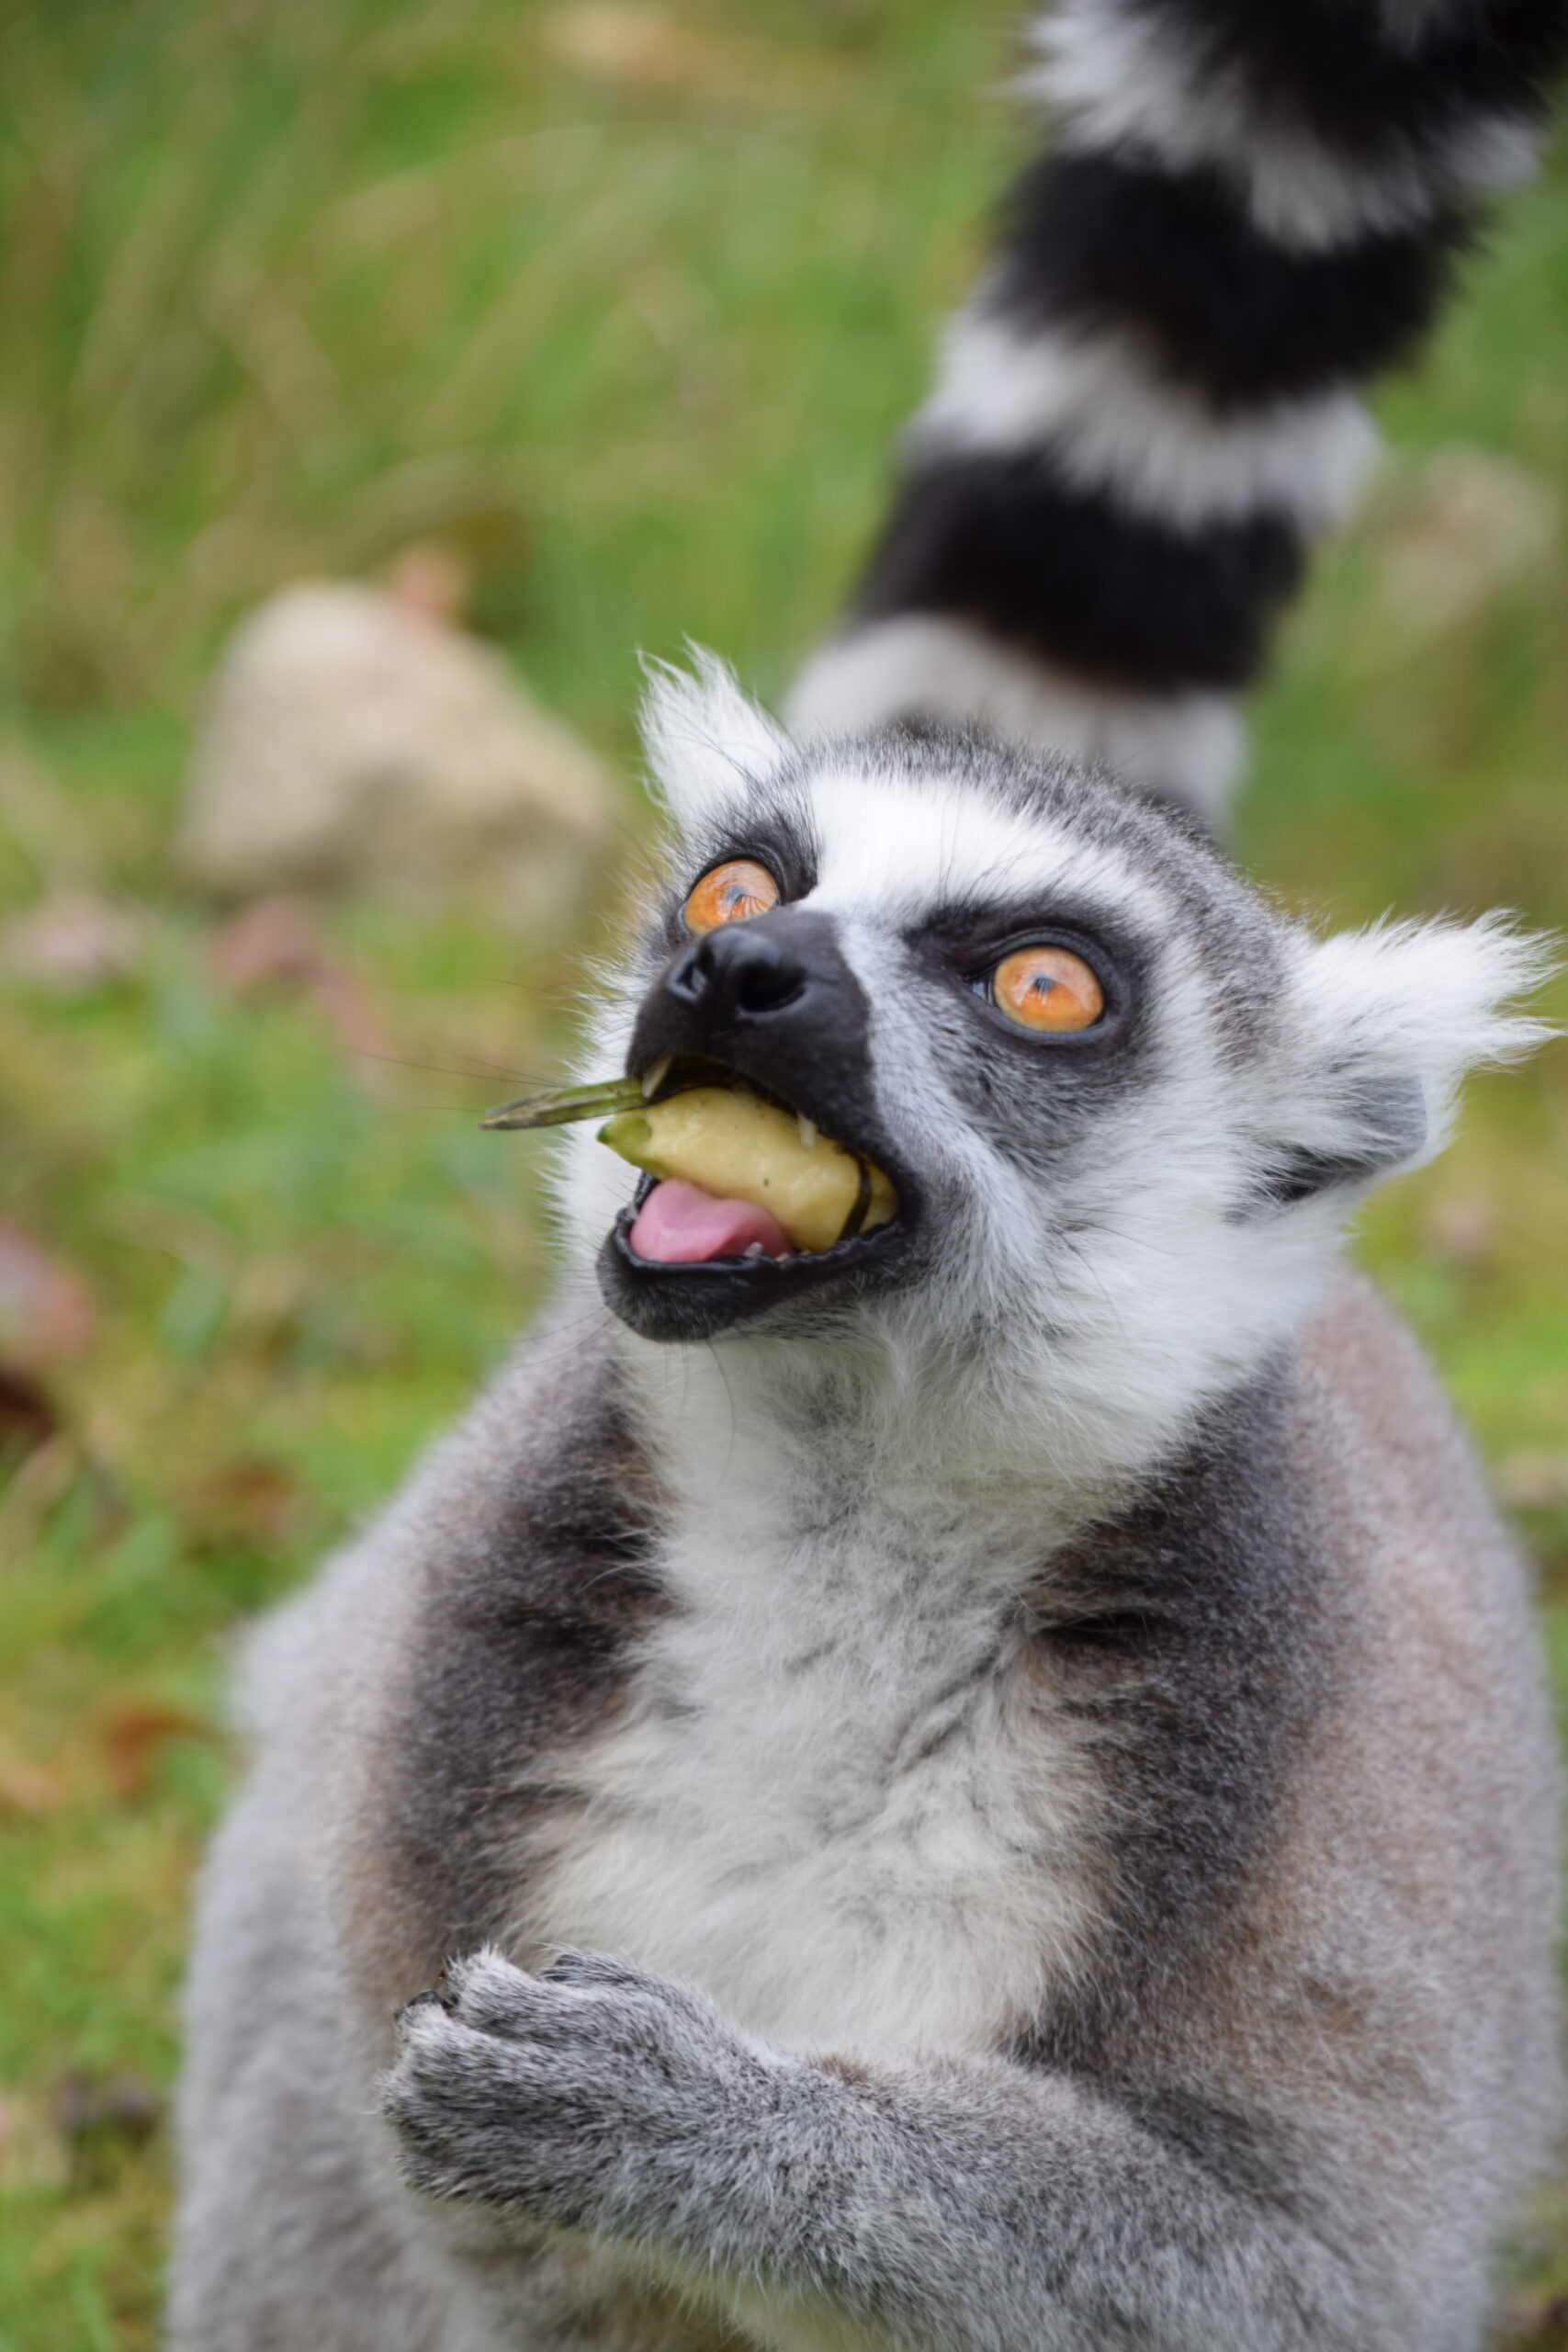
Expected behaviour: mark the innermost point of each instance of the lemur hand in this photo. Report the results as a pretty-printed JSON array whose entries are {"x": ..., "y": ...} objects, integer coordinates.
[{"x": 592, "y": 2097}]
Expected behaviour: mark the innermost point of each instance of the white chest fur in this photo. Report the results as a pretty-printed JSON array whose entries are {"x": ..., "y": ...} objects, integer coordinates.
[{"x": 837, "y": 1802}]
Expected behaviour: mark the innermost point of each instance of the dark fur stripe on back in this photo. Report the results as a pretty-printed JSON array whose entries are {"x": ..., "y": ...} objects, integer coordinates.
[{"x": 1001, "y": 541}]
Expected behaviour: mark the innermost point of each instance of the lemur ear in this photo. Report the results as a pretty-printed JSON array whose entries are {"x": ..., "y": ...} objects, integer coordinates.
[
  {"x": 704, "y": 736},
  {"x": 1384, "y": 1024}
]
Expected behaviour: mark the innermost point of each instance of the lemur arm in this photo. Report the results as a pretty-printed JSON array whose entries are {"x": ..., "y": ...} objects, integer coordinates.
[
  {"x": 953, "y": 2206},
  {"x": 1150, "y": 407}
]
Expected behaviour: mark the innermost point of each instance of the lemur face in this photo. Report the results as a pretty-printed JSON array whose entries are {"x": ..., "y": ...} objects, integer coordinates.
[
  {"x": 1123, "y": 1103},
  {"x": 1015, "y": 992}
]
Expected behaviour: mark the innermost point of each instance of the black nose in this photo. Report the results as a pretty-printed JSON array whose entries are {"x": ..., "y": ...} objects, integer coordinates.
[
  {"x": 773, "y": 1000},
  {"x": 740, "y": 972}
]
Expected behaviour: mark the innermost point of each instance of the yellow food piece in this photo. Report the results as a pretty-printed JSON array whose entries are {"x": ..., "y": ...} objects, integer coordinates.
[{"x": 737, "y": 1146}]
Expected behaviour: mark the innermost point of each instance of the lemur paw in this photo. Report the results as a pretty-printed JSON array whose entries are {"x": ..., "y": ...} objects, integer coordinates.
[{"x": 592, "y": 2097}]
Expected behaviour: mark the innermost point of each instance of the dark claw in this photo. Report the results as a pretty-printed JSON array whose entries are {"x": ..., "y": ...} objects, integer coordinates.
[
  {"x": 431, "y": 1997},
  {"x": 568, "y": 1967}
]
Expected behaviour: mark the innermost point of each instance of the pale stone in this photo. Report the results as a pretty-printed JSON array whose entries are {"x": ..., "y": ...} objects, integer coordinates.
[{"x": 352, "y": 742}]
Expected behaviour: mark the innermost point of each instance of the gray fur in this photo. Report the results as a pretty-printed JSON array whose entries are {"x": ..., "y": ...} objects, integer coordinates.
[
  {"x": 1285, "y": 2105},
  {"x": 1000, "y": 1796},
  {"x": 1068, "y": 1817}
]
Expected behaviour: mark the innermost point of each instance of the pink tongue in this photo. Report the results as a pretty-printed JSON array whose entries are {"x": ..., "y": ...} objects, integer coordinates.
[{"x": 679, "y": 1225}]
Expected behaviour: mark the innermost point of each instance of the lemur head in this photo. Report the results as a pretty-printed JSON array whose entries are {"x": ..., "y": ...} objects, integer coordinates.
[{"x": 1125, "y": 1104}]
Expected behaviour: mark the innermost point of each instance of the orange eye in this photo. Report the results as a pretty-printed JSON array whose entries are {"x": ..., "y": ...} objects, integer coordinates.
[
  {"x": 1048, "y": 989},
  {"x": 730, "y": 893}
]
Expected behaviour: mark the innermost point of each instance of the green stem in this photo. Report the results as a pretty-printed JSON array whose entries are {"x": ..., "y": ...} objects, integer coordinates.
[{"x": 564, "y": 1103}]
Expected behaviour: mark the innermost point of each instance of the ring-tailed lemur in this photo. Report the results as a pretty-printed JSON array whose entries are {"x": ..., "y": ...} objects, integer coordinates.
[{"x": 986, "y": 1788}]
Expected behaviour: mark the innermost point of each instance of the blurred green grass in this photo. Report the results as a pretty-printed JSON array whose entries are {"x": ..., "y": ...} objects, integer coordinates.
[{"x": 624, "y": 306}]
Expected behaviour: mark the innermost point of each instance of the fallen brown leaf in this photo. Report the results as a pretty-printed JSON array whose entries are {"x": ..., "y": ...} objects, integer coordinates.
[
  {"x": 433, "y": 579},
  {"x": 127, "y": 2105},
  {"x": 270, "y": 944},
  {"x": 27, "y": 1788},
  {"x": 1462, "y": 1228},
  {"x": 132, "y": 1732},
  {"x": 103, "y": 2122},
  {"x": 28, "y": 1419},
  {"x": 46, "y": 1308},
  {"x": 274, "y": 945},
  {"x": 71, "y": 943},
  {"x": 246, "y": 1499},
  {"x": 1532, "y": 2321}
]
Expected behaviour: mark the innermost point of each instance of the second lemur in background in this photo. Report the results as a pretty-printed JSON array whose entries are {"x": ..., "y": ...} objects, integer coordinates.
[{"x": 1151, "y": 406}]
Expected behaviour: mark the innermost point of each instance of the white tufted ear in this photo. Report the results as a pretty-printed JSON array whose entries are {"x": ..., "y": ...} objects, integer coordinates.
[
  {"x": 1385, "y": 1023},
  {"x": 703, "y": 736}
]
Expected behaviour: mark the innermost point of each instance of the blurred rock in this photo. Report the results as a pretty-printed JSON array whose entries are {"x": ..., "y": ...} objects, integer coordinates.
[
  {"x": 1464, "y": 528},
  {"x": 353, "y": 740},
  {"x": 72, "y": 942}
]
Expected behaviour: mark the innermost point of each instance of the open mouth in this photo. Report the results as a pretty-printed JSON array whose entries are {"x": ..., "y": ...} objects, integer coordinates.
[{"x": 742, "y": 1199}]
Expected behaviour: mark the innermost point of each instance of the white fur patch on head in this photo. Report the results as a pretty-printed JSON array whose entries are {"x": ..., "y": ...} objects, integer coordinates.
[
  {"x": 705, "y": 737},
  {"x": 893, "y": 849}
]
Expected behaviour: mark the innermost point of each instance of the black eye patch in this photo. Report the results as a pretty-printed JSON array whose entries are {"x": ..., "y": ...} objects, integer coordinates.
[
  {"x": 966, "y": 943},
  {"x": 1037, "y": 1098},
  {"x": 773, "y": 836}
]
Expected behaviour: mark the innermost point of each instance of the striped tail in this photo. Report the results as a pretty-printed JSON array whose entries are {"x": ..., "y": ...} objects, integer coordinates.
[{"x": 1148, "y": 410}]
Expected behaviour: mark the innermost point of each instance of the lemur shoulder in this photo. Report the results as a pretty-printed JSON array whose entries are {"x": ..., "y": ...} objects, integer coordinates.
[{"x": 988, "y": 1786}]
